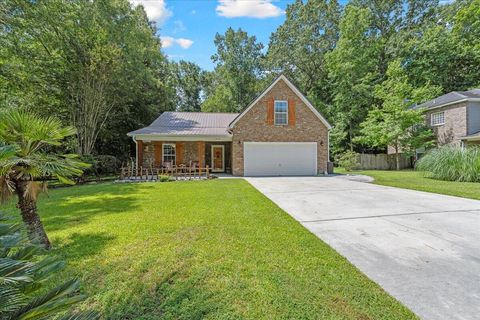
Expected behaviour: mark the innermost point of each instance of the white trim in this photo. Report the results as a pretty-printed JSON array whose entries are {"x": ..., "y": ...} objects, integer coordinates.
[
  {"x": 157, "y": 137},
  {"x": 470, "y": 139},
  {"x": 295, "y": 90},
  {"x": 136, "y": 152},
  {"x": 223, "y": 157},
  {"x": 450, "y": 103},
  {"x": 286, "y": 113},
  {"x": 174, "y": 148}
]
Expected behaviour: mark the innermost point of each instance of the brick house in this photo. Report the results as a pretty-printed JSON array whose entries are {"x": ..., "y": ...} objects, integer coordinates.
[
  {"x": 279, "y": 133},
  {"x": 454, "y": 117}
]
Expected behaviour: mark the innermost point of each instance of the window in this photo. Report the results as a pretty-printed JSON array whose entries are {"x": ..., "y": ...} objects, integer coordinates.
[
  {"x": 281, "y": 112},
  {"x": 438, "y": 118},
  {"x": 169, "y": 153}
]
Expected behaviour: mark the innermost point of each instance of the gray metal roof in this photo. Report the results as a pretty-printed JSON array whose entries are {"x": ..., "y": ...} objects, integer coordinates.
[
  {"x": 448, "y": 98},
  {"x": 189, "y": 123}
]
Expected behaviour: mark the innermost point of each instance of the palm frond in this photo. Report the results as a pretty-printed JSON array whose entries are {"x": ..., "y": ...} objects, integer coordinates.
[
  {"x": 51, "y": 302},
  {"x": 10, "y": 299},
  {"x": 91, "y": 315},
  {"x": 30, "y": 132},
  {"x": 23, "y": 273}
]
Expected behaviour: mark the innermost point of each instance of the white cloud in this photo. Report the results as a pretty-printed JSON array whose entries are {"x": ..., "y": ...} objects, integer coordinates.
[
  {"x": 156, "y": 9},
  {"x": 193, "y": 12},
  {"x": 248, "y": 8},
  {"x": 184, "y": 43},
  {"x": 170, "y": 41},
  {"x": 167, "y": 41}
]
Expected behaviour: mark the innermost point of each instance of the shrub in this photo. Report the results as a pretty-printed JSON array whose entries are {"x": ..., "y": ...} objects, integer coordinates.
[
  {"x": 164, "y": 178},
  {"x": 347, "y": 160},
  {"x": 24, "y": 271},
  {"x": 101, "y": 165},
  {"x": 452, "y": 164}
]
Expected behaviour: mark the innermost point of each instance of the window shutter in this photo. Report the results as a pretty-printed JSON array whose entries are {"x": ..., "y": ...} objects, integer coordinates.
[
  {"x": 179, "y": 153},
  {"x": 291, "y": 112},
  {"x": 270, "y": 111},
  {"x": 157, "y": 149}
]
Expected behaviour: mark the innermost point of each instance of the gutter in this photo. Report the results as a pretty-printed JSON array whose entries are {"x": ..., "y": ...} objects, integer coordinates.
[{"x": 449, "y": 103}]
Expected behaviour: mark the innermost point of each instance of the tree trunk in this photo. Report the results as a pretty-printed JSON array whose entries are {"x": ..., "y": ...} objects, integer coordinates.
[{"x": 28, "y": 209}]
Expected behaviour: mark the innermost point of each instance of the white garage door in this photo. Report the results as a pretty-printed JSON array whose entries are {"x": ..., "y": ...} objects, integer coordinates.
[{"x": 280, "y": 158}]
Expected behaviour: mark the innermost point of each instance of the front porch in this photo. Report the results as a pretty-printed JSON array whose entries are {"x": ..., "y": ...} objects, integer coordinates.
[{"x": 215, "y": 155}]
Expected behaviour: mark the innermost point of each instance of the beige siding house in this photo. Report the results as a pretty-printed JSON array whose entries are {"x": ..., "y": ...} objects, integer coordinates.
[
  {"x": 454, "y": 117},
  {"x": 279, "y": 133}
]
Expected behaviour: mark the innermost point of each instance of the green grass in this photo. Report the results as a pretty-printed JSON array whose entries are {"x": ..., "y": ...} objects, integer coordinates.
[
  {"x": 206, "y": 249},
  {"x": 416, "y": 180}
]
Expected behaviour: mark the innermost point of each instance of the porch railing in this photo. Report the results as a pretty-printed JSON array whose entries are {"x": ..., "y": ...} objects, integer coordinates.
[{"x": 180, "y": 172}]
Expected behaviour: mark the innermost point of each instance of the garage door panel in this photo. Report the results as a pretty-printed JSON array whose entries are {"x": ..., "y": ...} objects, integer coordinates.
[{"x": 280, "y": 159}]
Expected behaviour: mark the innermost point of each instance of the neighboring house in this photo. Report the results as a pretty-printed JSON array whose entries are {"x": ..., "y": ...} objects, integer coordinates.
[
  {"x": 279, "y": 133},
  {"x": 454, "y": 117}
]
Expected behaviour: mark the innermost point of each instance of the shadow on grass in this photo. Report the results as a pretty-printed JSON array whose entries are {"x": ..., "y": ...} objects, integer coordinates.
[
  {"x": 71, "y": 207},
  {"x": 82, "y": 245}
]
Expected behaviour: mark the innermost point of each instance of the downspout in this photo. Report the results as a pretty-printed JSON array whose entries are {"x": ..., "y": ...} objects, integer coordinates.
[{"x": 136, "y": 153}]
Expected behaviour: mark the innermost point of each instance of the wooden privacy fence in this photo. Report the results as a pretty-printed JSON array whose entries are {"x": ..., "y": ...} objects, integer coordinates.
[
  {"x": 382, "y": 161},
  {"x": 181, "y": 172}
]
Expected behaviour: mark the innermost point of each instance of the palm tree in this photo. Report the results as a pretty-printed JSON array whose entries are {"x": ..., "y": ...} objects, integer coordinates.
[
  {"x": 27, "y": 162},
  {"x": 24, "y": 271}
]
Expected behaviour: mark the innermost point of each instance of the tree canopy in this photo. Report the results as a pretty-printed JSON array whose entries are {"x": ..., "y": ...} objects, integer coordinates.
[{"x": 99, "y": 65}]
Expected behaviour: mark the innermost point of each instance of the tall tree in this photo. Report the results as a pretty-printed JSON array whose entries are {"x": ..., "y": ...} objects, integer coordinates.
[
  {"x": 394, "y": 123},
  {"x": 188, "y": 78},
  {"x": 299, "y": 45},
  {"x": 352, "y": 67},
  {"x": 97, "y": 64},
  {"x": 447, "y": 51},
  {"x": 26, "y": 165},
  {"x": 238, "y": 67}
]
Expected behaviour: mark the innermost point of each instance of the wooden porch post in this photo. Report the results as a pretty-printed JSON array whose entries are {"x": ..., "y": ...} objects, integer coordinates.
[
  {"x": 157, "y": 149},
  {"x": 201, "y": 154},
  {"x": 179, "y": 152},
  {"x": 139, "y": 154}
]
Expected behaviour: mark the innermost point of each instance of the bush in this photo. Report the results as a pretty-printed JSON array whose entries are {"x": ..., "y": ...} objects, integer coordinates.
[
  {"x": 24, "y": 270},
  {"x": 102, "y": 165},
  {"x": 452, "y": 164},
  {"x": 165, "y": 178},
  {"x": 347, "y": 160}
]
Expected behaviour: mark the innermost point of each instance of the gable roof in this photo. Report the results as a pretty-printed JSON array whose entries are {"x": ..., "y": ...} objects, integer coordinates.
[
  {"x": 188, "y": 123},
  {"x": 294, "y": 89},
  {"x": 450, "y": 98}
]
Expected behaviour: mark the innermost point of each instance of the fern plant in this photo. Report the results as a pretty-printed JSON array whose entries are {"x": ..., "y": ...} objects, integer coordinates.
[{"x": 24, "y": 272}]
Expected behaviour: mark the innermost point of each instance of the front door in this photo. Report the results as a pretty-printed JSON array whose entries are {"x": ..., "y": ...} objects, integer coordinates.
[{"x": 218, "y": 156}]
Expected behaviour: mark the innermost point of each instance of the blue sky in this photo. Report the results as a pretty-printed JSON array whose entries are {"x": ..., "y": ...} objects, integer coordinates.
[{"x": 188, "y": 27}]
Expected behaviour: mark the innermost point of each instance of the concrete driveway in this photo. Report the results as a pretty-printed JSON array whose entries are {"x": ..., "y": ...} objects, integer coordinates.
[{"x": 422, "y": 248}]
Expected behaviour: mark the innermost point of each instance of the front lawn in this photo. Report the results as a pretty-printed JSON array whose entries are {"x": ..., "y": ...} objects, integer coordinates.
[
  {"x": 203, "y": 249},
  {"x": 416, "y": 180}
]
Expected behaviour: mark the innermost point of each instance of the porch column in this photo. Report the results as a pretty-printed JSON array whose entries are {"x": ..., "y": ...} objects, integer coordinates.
[
  {"x": 201, "y": 153},
  {"x": 157, "y": 151},
  {"x": 139, "y": 153}
]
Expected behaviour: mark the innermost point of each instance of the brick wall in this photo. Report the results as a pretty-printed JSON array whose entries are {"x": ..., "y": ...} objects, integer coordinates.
[
  {"x": 455, "y": 123},
  {"x": 252, "y": 127},
  {"x": 153, "y": 150}
]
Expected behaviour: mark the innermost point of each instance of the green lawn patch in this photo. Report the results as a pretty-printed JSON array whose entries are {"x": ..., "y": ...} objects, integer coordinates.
[
  {"x": 203, "y": 249},
  {"x": 416, "y": 180}
]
